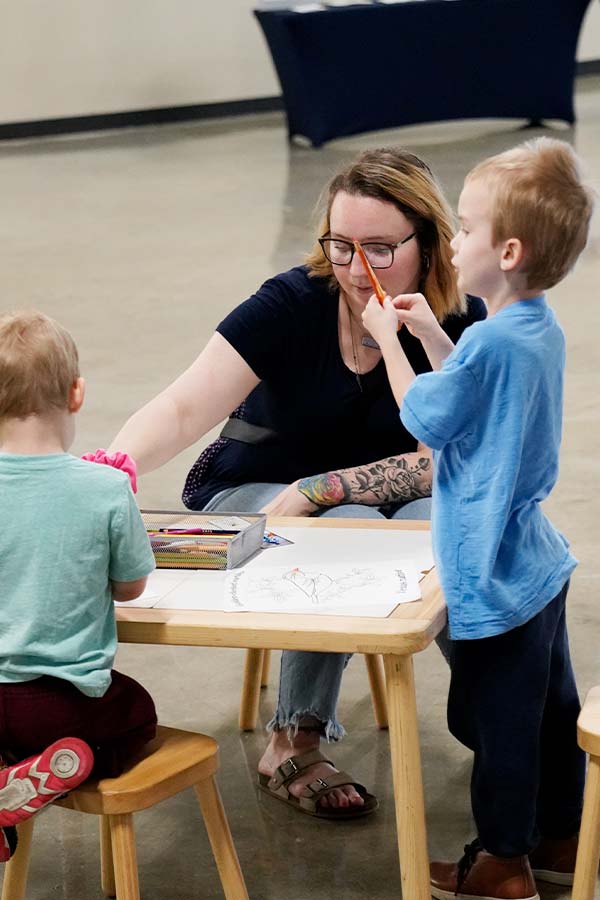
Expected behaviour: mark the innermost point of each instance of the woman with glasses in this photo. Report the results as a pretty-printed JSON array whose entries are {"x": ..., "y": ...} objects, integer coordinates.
[{"x": 314, "y": 427}]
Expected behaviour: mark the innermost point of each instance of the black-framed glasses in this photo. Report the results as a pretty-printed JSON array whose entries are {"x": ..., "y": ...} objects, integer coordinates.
[{"x": 341, "y": 253}]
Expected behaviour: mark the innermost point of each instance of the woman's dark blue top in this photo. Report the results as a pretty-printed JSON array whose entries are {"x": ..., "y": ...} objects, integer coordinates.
[{"x": 287, "y": 332}]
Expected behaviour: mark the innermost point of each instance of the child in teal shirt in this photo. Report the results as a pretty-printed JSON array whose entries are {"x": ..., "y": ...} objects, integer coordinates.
[
  {"x": 71, "y": 542},
  {"x": 492, "y": 412}
]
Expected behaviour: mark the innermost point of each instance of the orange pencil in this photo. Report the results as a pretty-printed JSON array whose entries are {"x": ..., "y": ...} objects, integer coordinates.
[{"x": 379, "y": 291}]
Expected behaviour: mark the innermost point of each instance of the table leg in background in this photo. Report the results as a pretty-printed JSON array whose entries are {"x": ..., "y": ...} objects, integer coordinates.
[
  {"x": 253, "y": 668},
  {"x": 408, "y": 780}
]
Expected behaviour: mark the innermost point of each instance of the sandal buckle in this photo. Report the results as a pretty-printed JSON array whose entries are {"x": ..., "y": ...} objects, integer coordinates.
[
  {"x": 318, "y": 785},
  {"x": 289, "y": 767}
]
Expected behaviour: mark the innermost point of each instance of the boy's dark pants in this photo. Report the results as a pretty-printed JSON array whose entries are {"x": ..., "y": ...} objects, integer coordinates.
[
  {"x": 34, "y": 714},
  {"x": 513, "y": 701}
]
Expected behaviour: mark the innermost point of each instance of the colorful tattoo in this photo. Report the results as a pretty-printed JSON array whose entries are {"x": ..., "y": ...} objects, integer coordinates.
[{"x": 324, "y": 490}]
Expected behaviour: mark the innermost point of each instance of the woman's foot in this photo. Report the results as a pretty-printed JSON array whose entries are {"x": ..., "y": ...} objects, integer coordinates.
[{"x": 280, "y": 748}]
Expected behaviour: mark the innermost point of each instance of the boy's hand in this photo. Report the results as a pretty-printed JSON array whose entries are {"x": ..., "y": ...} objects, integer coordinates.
[
  {"x": 414, "y": 311},
  {"x": 121, "y": 461},
  {"x": 380, "y": 320}
]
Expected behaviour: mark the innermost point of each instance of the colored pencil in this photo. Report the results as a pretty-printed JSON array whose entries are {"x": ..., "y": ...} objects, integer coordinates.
[{"x": 379, "y": 291}]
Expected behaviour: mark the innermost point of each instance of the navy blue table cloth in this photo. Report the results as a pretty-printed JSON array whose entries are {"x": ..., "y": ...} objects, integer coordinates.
[{"x": 345, "y": 70}]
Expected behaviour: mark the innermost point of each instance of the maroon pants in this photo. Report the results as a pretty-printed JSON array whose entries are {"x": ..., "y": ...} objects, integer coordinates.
[{"x": 36, "y": 713}]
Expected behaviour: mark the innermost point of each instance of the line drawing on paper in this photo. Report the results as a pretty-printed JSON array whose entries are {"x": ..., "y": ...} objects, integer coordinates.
[{"x": 319, "y": 587}]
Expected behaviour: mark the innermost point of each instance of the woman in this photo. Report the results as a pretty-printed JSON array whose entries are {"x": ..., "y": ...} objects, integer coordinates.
[{"x": 314, "y": 428}]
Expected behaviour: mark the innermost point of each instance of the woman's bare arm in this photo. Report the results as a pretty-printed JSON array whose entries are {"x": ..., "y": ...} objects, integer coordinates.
[
  {"x": 205, "y": 394},
  {"x": 395, "y": 479}
]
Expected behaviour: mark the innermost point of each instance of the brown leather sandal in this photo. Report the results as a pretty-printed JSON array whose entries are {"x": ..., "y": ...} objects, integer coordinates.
[{"x": 277, "y": 786}]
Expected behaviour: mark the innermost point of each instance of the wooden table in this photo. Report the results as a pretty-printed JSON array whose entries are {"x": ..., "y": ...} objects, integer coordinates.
[{"x": 409, "y": 629}]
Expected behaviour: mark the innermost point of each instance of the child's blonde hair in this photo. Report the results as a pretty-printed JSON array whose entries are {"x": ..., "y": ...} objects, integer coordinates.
[
  {"x": 539, "y": 196},
  {"x": 38, "y": 364}
]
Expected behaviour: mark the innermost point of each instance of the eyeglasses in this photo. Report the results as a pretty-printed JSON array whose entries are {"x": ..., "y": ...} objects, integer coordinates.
[{"x": 341, "y": 253}]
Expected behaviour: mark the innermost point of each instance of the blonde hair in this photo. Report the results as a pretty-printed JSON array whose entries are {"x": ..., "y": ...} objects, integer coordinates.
[
  {"x": 401, "y": 178},
  {"x": 38, "y": 364},
  {"x": 538, "y": 196}
]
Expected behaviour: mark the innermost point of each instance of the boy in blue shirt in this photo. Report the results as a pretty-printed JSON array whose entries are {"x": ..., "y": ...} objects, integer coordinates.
[
  {"x": 492, "y": 411},
  {"x": 71, "y": 542}
]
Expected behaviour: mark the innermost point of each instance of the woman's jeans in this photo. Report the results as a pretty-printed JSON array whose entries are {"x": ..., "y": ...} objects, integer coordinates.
[{"x": 309, "y": 684}]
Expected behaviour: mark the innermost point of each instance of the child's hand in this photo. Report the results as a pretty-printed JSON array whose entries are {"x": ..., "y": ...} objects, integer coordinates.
[
  {"x": 121, "y": 461},
  {"x": 414, "y": 311},
  {"x": 380, "y": 321}
]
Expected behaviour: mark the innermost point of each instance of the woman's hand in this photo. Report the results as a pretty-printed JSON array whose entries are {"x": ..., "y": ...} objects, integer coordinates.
[
  {"x": 290, "y": 502},
  {"x": 117, "y": 460},
  {"x": 380, "y": 320}
]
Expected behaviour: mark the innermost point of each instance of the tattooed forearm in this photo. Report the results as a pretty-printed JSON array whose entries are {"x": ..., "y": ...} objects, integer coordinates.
[
  {"x": 393, "y": 480},
  {"x": 396, "y": 479}
]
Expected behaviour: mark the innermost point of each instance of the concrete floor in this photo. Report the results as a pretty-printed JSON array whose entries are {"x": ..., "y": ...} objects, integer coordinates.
[{"x": 139, "y": 242}]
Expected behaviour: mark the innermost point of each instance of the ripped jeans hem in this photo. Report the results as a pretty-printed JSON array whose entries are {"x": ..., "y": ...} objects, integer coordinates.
[{"x": 330, "y": 729}]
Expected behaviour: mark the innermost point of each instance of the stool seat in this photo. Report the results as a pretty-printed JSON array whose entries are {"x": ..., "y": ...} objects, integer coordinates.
[
  {"x": 588, "y": 724},
  {"x": 173, "y": 761},
  {"x": 588, "y": 851}
]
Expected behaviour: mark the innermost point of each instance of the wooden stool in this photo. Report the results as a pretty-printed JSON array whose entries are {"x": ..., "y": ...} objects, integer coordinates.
[
  {"x": 256, "y": 675},
  {"x": 173, "y": 761},
  {"x": 588, "y": 853}
]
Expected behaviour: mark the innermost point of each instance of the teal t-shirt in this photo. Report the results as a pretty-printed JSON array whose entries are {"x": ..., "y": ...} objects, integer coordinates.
[{"x": 67, "y": 526}]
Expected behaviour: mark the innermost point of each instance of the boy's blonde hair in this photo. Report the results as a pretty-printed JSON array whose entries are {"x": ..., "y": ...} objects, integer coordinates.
[
  {"x": 394, "y": 175},
  {"x": 38, "y": 365},
  {"x": 539, "y": 196}
]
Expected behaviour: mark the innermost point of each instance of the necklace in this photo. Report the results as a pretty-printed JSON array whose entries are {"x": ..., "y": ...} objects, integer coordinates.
[{"x": 357, "y": 371}]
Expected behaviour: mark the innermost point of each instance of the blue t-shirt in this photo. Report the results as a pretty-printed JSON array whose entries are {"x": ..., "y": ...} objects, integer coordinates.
[
  {"x": 287, "y": 332},
  {"x": 493, "y": 416},
  {"x": 66, "y": 527}
]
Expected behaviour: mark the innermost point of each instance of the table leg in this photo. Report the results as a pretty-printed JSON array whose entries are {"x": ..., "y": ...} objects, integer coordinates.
[
  {"x": 253, "y": 667},
  {"x": 408, "y": 781}
]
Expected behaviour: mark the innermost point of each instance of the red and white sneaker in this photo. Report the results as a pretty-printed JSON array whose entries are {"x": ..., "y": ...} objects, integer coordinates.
[{"x": 29, "y": 785}]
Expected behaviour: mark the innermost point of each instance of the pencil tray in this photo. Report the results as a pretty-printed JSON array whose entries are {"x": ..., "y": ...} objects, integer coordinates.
[{"x": 202, "y": 540}]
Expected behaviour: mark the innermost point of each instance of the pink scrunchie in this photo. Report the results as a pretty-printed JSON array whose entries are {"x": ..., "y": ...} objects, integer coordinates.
[{"x": 117, "y": 460}]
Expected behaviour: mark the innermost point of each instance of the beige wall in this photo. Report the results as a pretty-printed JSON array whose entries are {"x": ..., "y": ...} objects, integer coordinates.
[
  {"x": 589, "y": 41},
  {"x": 78, "y": 57}
]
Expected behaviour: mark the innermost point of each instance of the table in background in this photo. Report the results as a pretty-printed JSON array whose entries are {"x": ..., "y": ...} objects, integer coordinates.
[
  {"x": 345, "y": 70},
  {"x": 409, "y": 629}
]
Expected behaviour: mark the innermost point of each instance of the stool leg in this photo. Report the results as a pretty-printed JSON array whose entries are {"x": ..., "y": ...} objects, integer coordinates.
[
  {"x": 266, "y": 666},
  {"x": 251, "y": 689},
  {"x": 15, "y": 871},
  {"x": 124, "y": 857},
  {"x": 588, "y": 853},
  {"x": 378, "y": 692},
  {"x": 220, "y": 839},
  {"x": 107, "y": 869}
]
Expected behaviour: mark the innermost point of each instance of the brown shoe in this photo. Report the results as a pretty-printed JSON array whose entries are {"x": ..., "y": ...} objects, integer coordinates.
[
  {"x": 554, "y": 860},
  {"x": 481, "y": 876}
]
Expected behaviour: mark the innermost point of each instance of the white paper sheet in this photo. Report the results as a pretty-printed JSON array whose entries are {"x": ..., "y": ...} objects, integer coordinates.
[
  {"x": 326, "y": 589},
  {"x": 322, "y": 547}
]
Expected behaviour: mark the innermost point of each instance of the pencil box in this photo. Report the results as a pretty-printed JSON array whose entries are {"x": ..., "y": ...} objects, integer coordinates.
[{"x": 203, "y": 540}]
